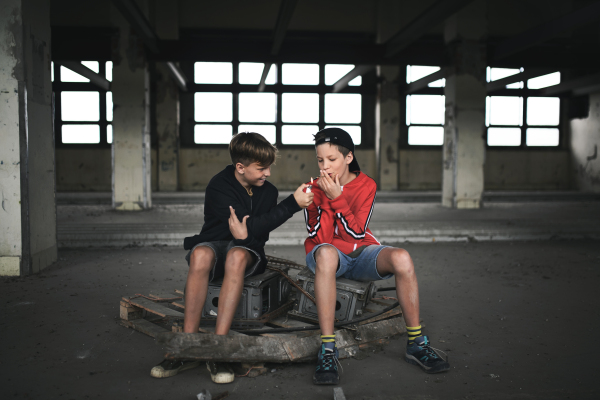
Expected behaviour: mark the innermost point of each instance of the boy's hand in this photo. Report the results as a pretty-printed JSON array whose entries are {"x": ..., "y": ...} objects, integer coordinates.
[
  {"x": 329, "y": 186},
  {"x": 238, "y": 229},
  {"x": 303, "y": 199}
]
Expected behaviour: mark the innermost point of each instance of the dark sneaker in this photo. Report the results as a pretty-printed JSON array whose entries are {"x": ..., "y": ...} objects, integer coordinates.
[
  {"x": 220, "y": 372},
  {"x": 422, "y": 354},
  {"x": 326, "y": 372},
  {"x": 169, "y": 368}
]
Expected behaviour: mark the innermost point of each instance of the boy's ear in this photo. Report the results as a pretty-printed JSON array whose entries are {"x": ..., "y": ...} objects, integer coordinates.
[
  {"x": 349, "y": 158},
  {"x": 240, "y": 168}
]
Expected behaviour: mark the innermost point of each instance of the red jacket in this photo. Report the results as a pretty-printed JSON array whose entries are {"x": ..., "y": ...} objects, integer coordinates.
[{"x": 344, "y": 221}]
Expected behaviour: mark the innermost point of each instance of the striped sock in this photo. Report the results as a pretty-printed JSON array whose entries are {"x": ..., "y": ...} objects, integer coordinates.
[
  {"x": 328, "y": 341},
  {"x": 413, "y": 332}
]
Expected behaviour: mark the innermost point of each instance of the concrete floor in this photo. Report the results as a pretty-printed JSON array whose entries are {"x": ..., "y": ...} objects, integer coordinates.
[{"x": 518, "y": 320}]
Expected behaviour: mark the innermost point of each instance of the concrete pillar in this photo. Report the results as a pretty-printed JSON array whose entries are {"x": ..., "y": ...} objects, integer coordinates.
[
  {"x": 131, "y": 162},
  {"x": 464, "y": 145},
  {"x": 387, "y": 127},
  {"x": 27, "y": 180},
  {"x": 167, "y": 101}
]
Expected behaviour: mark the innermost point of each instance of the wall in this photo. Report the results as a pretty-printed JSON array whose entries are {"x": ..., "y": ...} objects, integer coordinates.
[{"x": 585, "y": 140}]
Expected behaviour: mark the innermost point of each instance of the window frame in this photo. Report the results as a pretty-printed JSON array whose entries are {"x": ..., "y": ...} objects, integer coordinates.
[
  {"x": 367, "y": 90},
  {"x": 58, "y": 87}
]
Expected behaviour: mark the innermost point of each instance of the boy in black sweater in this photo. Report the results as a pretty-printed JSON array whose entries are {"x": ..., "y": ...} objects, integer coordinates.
[{"x": 240, "y": 210}]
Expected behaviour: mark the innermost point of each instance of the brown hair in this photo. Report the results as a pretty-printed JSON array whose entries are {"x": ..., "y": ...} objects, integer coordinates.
[
  {"x": 250, "y": 147},
  {"x": 321, "y": 135}
]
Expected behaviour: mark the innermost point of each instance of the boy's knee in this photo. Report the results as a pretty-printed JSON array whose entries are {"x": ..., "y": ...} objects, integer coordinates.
[
  {"x": 202, "y": 259},
  {"x": 327, "y": 258},
  {"x": 237, "y": 259},
  {"x": 402, "y": 262}
]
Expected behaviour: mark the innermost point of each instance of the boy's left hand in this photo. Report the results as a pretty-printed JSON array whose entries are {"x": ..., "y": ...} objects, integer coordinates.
[
  {"x": 238, "y": 229},
  {"x": 329, "y": 186}
]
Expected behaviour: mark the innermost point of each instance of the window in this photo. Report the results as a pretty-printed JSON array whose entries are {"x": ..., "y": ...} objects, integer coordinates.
[
  {"x": 297, "y": 102},
  {"x": 522, "y": 120},
  {"x": 425, "y": 113},
  {"x": 83, "y": 111}
]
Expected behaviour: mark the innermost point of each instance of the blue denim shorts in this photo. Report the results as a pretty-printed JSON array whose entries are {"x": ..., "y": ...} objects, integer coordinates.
[{"x": 361, "y": 268}]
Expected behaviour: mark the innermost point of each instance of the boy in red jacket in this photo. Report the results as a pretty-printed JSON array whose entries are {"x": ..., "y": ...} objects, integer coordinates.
[{"x": 340, "y": 244}]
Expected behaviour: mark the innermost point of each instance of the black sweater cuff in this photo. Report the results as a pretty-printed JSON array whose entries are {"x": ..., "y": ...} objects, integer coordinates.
[{"x": 290, "y": 204}]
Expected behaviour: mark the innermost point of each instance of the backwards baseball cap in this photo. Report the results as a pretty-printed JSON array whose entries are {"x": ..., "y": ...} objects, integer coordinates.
[{"x": 341, "y": 137}]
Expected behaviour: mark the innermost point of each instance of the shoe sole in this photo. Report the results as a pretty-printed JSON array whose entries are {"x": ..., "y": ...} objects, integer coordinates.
[
  {"x": 160, "y": 372},
  {"x": 221, "y": 377},
  {"x": 441, "y": 368}
]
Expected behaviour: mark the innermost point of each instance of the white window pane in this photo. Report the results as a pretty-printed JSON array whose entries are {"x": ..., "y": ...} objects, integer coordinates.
[
  {"x": 213, "y": 72},
  {"x": 300, "y": 107},
  {"x": 80, "y": 106},
  {"x": 52, "y": 71},
  {"x": 109, "y": 134},
  {"x": 438, "y": 83},
  {"x": 66, "y": 75},
  {"x": 493, "y": 74},
  {"x": 93, "y": 65},
  {"x": 334, "y": 72},
  {"x": 416, "y": 72},
  {"x": 425, "y": 109},
  {"x": 298, "y": 134},
  {"x": 213, "y": 134},
  {"x": 257, "y": 107},
  {"x": 426, "y": 135},
  {"x": 343, "y": 108},
  {"x": 300, "y": 74},
  {"x": 213, "y": 107},
  {"x": 516, "y": 85},
  {"x": 504, "y": 137},
  {"x": 543, "y": 110},
  {"x": 353, "y": 130},
  {"x": 544, "y": 81},
  {"x": 81, "y": 134},
  {"x": 268, "y": 131},
  {"x": 504, "y": 110},
  {"x": 542, "y": 137},
  {"x": 250, "y": 73},
  {"x": 109, "y": 106},
  {"x": 109, "y": 68}
]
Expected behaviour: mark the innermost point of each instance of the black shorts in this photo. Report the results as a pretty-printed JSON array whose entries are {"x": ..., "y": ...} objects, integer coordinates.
[{"x": 221, "y": 248}]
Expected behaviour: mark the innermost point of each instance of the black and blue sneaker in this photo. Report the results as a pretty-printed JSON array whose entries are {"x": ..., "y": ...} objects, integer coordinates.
[
  {"x": 422, "y": 354},
  {"x": 326, "y": 372}
]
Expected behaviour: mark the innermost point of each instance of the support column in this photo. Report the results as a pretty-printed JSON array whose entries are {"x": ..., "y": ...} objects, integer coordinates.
[
  {"x": 464, "y": 129},
  {"x": 131, "y": 162},
  {"x": 27, "y": 176},
  {"x": 387, "y": 120},
  {"x": 167, "y": 102}
]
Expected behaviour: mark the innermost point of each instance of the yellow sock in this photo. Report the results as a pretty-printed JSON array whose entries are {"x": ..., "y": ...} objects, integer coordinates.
[
  {"x": 328, "y": 341},
  {"x": 413, "y": 332}
]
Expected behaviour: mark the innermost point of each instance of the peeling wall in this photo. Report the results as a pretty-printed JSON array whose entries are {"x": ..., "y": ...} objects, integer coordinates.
[{"x": 585, "y": 140}]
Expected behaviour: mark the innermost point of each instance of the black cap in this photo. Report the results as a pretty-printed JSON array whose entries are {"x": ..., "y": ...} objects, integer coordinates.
[{"x": 341, "y": 137}]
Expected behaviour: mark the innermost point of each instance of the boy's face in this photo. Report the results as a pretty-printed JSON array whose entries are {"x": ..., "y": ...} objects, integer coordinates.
[
  {"x": 332, "y": 161},
  {"x": 254, "y": 174}
]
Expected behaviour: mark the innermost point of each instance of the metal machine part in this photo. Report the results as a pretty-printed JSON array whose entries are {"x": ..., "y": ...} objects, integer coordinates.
[{"x": 351, "y": 298}]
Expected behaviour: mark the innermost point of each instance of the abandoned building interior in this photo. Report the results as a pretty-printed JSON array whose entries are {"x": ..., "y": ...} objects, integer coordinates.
[{"x": 478, "y": 120}]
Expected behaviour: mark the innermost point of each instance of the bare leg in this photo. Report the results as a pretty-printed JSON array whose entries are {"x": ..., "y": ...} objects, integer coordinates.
[
  {"x": 231, "y": 290},
  {"x": 196, "y": 287},
  {"x": 398, "y": 262},
  {"x": 327, "y": 259}
]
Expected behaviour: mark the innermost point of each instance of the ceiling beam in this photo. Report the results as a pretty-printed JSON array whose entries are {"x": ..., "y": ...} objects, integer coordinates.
[
  {"x": 84, "y": 71},
  {"x": 434, "y": 15},
  {"x": 425, "y": 81},
  {"x": 139, "y": 23},
  {"x": 286, "y": 11},
  {"x": 344, "y": 80},
  {"x": 576, "y": 87},
  {"x": 521, "y": 76},
  {"x": 546, "y": 31}
]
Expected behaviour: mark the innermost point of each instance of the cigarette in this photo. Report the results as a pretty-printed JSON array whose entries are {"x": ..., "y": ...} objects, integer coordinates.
[{"x": 311, "y": 180}]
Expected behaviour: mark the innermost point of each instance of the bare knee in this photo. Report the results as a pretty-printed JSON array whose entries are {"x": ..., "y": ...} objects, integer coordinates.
[
  {"x": 327, "y": 259},
  {"x": 237, "y": 259},
  {"x": 402, "y": 262},
  {"x": 202, "y": 259}
]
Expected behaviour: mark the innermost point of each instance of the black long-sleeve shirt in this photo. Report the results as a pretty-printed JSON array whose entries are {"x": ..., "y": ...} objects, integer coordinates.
[{"x": 223, "y": 191}]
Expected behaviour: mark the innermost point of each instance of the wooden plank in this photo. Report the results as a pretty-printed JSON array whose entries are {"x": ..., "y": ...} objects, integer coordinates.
[
  {"x": 164, "y": 296},
  {"x": 155, "y": 308},
  {"x": 143, "y": 326},
  {"x": 388, "y": 314},
  {"x": 284, "y": 348},
  {"x": 129, "y": 312}
]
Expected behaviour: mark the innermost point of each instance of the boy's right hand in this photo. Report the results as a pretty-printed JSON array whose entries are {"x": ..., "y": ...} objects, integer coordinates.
[{"x": 303, "y": 199}]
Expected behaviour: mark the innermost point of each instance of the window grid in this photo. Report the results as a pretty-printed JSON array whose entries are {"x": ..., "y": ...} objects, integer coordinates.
[
  {"x": 58, "y": 87},
  {"x": 187, "y": 137}
]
